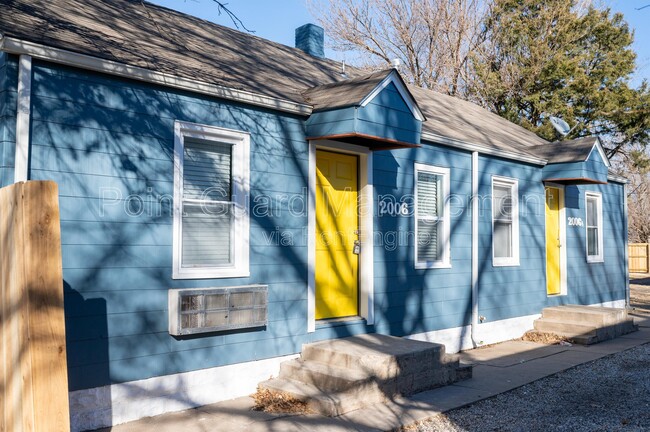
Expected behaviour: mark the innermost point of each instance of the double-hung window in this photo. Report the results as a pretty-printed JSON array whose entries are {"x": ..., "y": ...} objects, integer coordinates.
[
  {"x": 594, "y": 225},
  {"x": 211, "y": 218},
  {"x": 432, "y": 243},
  {"x": 505, "y": 222}
]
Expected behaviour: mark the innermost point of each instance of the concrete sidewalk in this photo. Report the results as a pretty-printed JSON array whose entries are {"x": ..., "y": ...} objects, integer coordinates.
[{"x": 497, "y": 369}]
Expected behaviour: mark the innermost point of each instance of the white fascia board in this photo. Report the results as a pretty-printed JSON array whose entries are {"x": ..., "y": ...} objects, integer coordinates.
[
  {"x": 69, "y": 58},
  {"x": 617, "y": 179},
  {"x": 451, "y": 142},
  {"x": 403, "y": 91}
]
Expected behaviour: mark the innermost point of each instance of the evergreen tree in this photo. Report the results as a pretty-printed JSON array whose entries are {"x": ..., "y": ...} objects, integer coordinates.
[{"x": 547, "y": 58}]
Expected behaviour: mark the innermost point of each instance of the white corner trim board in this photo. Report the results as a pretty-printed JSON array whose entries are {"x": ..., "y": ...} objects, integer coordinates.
[
  {"x": 21, "y": 166},
  {"x": 120, "y": 403},
  {"x": 56, "y": 55}
]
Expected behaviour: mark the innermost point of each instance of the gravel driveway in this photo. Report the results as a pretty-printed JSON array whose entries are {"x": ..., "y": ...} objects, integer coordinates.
[{"x": 608, "y": 394}]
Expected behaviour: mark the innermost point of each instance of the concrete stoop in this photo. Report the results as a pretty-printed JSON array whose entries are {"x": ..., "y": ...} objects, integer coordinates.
[
  {"x": 585, "y": 325},
  {"x": 342, "y": 375}
]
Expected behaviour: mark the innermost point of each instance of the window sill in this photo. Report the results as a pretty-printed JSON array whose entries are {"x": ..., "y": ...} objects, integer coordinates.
[
  {"x": 595, "y": 260},
  {"x": 505, "y": 263},
  {"x": 440, "y": 265}
]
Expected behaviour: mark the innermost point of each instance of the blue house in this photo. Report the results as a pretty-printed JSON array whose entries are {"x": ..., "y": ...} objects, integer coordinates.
[{"x": 225, "y": 199}]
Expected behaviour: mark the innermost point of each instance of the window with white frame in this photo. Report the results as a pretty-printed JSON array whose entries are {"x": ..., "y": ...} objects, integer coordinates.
[
  {"x": 211, "y": 218},
  {"x": 594, "y": 223},
  {"x": 432, "y": 243},
  {"x": 505, "y": 222}
]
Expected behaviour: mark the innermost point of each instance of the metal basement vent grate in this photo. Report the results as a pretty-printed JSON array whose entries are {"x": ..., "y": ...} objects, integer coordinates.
[{"x": 203, "y": 310}]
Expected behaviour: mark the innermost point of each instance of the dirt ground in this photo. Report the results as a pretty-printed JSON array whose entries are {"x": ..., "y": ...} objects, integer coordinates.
[{"x": 640, "y": 292}]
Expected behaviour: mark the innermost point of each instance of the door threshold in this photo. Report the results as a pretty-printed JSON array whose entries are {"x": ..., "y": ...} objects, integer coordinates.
[{"x": 331, "y": 322}]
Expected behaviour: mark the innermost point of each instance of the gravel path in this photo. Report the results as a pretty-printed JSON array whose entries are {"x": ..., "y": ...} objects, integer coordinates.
[{"x": 609, "y": 394}]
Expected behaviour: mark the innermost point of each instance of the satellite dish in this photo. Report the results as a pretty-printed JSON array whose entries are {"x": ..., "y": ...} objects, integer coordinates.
[{"x": 560, "y": 125}]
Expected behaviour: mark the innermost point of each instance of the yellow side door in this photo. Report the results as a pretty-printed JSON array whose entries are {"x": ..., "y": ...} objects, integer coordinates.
[
  {"x": 553, "y": 279},
  {"x": 337, "y": 224}
]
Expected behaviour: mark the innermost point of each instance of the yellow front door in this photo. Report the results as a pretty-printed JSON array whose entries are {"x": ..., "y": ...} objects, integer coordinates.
[
  {"x": 337, "y": 225},
  {"x": 553, "y": 241}
]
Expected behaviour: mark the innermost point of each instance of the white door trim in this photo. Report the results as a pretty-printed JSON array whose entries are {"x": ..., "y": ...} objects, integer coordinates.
[{"x": 366, "y": 215}]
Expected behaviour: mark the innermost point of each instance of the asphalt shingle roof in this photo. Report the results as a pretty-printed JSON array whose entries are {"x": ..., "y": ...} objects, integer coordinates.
[
  {"x": 141, "y": 34},
  {"x": 576, "y": 150}
]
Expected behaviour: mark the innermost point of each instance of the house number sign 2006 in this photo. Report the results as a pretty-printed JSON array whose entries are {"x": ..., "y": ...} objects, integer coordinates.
[
  {"x": 575, "y": 221},
  {"x": 393, "y": 208}
]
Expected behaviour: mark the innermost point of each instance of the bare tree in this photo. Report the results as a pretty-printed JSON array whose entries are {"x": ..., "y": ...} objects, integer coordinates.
[
  {"x": 433, "y": 38},
  {"x": 635, "y": 166}
]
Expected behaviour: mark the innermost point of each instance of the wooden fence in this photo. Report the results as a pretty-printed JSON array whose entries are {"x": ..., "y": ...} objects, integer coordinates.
[
  {"x": 33, "y": 371},
  {"x": 639, "y": 254}
]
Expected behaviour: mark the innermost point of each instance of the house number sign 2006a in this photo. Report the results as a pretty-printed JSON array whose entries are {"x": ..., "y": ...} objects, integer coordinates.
[{"x": 575, "y": 221}]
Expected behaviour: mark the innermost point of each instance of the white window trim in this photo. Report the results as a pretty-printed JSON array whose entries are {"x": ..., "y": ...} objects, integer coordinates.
[
  {"x": 514, "y": 185},
  {"x": 445, "y": 262},
  {"x": 599, "y": 214},
  {"x": 240, "y": 196}
]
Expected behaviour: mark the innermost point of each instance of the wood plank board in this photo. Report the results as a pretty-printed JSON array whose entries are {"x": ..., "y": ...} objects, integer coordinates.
[{"x": 34, "y": 393}]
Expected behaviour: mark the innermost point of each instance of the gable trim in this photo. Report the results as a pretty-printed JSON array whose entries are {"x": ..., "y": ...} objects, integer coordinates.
[
  {"x": 95, "y": 64},
  {"x": 395, "y": 79},
  {"x": 598, "y": 146}
]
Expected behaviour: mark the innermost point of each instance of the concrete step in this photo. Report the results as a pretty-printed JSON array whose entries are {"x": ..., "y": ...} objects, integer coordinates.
[
  {"x": 324, "y": 376},
  {"x": 341, "y": 375},
  {"x": 585, "y": 324},
  {"x": 325, "y": 402},
  {"x": 589, "y": 315},
  {"x": 563, "y": 327},
  {"x": 382, "y": 356}
]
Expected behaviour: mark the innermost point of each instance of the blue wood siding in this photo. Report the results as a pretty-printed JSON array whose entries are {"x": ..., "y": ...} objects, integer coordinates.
[
  {"x": 386, "y": 116},
  {"x": 590, "y": 283},
  {"x": 8, "y": 85},
  {"x": 510, "y": 291},
  {"x": 410, "y": 300},
  {"x": 108, "y": 143}
]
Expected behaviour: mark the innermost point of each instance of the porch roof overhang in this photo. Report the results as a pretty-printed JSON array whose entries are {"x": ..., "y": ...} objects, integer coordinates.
[
  {"x": 580, "y": 161},
  {"x": 376, "y": 111}
]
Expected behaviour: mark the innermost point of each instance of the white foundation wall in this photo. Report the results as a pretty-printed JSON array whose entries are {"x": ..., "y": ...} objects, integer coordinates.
[
  {"x": 460, "y": 338},
  {"x": 120, "y": 403}
]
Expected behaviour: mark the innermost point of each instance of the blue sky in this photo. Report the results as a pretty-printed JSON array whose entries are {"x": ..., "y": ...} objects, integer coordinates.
[{"x": 277, "y": 20}]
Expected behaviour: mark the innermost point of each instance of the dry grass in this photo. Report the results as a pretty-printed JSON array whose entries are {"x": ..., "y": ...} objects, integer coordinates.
[
  {"x": 278, "y": 403},
  {"x": 544, "y": 338}
]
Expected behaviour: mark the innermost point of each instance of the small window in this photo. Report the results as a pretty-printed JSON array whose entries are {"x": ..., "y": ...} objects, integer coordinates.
[
  {"x": 432, "y": 245},
  {"x": 594, "y": 222},
  {"x": 211, "y": 170},
  {"x": 505, "y": 222}
]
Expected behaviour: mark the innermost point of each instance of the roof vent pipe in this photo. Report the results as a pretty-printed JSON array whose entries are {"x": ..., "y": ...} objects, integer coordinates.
[
  {"x": 311, "y": 39},
  {"x": 395, "y": 63}
]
